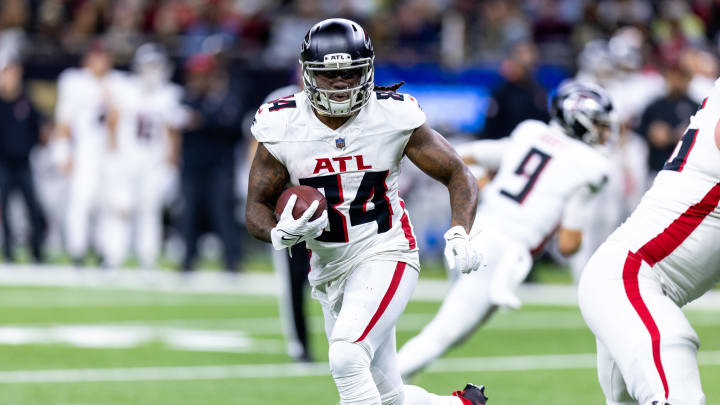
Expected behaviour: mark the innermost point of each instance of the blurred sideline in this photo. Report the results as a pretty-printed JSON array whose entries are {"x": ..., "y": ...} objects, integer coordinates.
[{"x": 249, "y": 283}]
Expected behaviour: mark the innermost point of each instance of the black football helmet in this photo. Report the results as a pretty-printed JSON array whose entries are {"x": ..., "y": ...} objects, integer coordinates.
[
  {"x": 583, "y": 111},
  {"x": 342, "y": 46}
]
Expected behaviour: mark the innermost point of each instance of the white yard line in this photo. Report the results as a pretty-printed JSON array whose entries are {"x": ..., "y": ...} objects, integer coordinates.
[
  {"x": 258, "y": 284},
  {"x": 529, "y": 320},
  {"x": 109, "y": 336},
  {"x": 254, "y": 371}
]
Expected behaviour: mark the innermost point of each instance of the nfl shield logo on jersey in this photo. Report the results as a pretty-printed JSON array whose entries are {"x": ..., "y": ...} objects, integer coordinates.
[{"x": 340, "y": 143}]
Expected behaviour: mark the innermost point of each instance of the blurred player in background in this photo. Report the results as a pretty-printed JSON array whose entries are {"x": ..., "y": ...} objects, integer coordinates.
[
  {"x": 291, "y": 267},
  {"x": 342, "y": 137},
  {"x": 619, "y": 70},
  {"x": 546, "y": 176},
  {"x": 19, "y": 134},
  {"x": 148, "y": 120},
  {"x": 664, "y": 256},
  {"x": 86, "y": 122}
]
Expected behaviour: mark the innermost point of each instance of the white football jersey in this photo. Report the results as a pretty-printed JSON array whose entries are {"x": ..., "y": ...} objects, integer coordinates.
[
  {"x": 676, "y": 226},
  {"x": 540, "y": 171},
  {"x": 84, "y": 101},
  {"x": 356, "y": 167},
  {"x": 145, "y": 117}
]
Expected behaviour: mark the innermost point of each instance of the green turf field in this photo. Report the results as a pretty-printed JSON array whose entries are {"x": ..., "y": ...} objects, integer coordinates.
[{"x": 76, "y": 346}]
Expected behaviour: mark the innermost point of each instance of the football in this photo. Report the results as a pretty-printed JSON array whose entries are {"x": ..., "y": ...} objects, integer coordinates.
[{"x": 306, "y": 195}]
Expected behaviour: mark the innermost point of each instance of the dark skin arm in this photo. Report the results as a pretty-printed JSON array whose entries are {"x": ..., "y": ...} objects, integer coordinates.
[
  {"x": 268, "y": 178},
  {"x": 432, "y": 154}
]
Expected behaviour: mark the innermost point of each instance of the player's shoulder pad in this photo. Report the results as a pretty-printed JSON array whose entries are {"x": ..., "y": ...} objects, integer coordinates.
[
  {"x": 175, "y": 91},
  {"x": 69, "y": 75},
  {"x": 172, "y": 92},
  {"x": 528, "y": 129},
  {"x": 118, "y": 80},
  {"x": 401, "y": 110},
  {"x": 272, "y": 119}
]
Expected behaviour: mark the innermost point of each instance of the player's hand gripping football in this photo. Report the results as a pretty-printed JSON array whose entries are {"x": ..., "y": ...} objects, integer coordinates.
[
  {"x": 290, "y": 231},
  {"x": 460, "y": 254}
]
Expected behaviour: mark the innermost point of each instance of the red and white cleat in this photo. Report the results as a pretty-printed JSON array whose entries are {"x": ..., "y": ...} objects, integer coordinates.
[{"x": 472, "y": 395}]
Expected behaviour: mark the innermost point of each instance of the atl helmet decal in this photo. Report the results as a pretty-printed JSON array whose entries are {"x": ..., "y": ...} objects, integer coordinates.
[{"x": 337, "y": 58}]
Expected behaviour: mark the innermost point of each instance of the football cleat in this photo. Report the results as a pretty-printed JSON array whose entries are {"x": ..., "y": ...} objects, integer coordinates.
[{"x": 472, "y": 395}]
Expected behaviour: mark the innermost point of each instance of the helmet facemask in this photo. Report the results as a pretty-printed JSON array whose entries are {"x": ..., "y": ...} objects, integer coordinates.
[{"x": 318, "y": 78}]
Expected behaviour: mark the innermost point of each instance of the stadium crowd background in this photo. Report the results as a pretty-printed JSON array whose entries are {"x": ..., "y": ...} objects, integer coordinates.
[{"x": 477, "y": 67}]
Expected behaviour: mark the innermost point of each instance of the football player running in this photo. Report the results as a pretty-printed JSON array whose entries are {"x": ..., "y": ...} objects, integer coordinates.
[
  {"x": 346, "y": 138},
  {"x": 664, "y": 256},
  {"x": 149, "y": 117},
  {"x": 546, "y": 176}
]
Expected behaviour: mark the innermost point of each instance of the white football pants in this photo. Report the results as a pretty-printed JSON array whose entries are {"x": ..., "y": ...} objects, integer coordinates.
[
  {"x": 136, "y": 193},
  {"x": 471, "y": 301},
  {"x": 84, "y": 185},
  {"x": 647, "y": 350},
  {"x": 361, "y": 331}
]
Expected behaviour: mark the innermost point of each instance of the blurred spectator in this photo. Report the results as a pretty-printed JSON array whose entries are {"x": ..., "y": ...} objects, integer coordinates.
[
  {"x": 501, "y": 24},
  {"x": 703, "y": 69},
  {"x": 216, "y": 18},
  {"x": 208, "y": 157},
  {"x": 288, "y": 30},
  {"x": 676, "y": 28},
  {"x": 519, "y": 98},
  {"x": 588, "y": 28},
  {"x": 123, "y": 35},
  {"x": 552, "y": 26},
  {"x": 19, "y": 133},
  {"x": 86, "y": 18},
  {"x": 617, "y": 13},
  {"x": 416, "y": 30},
  {"x": 13, "y": 17},
  {"x": 665, "y": 120}
]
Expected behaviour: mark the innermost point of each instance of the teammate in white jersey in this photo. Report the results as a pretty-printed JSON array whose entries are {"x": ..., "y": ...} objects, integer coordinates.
[
  {"x": 86, "y": 121},
  {"x": 546, "y": 176},
  {"x": 149, "y": 118},
  {"x": 347, "y": 141},
  {"x": 664, "y": 256}
]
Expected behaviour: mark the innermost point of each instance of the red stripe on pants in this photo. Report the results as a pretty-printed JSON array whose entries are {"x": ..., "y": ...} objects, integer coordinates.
[
  {"x": 397, "y": 276},
  {"x": 655, "y": 250},
  {"x": 632, "y": 289}
]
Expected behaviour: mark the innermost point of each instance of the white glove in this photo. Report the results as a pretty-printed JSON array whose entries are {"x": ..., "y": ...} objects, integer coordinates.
[
  {"x": 460, "y": 254},
  {"x": 290, "y": 231}
]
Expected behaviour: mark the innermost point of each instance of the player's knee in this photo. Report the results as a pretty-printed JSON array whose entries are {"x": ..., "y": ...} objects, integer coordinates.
[{"x": 348, "y": 359}]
